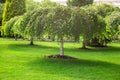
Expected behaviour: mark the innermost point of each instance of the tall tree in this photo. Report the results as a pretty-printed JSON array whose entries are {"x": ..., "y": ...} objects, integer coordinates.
[
  {"x": 1, "y": 12},
  {"x": 2, "y": 1},
  {"x": 13, "y": 8}
]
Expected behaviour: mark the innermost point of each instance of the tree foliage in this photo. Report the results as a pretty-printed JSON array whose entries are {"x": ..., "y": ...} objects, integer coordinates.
[
  {"x": 8, "y": 27},
  {"x": 87, "y": 24},
  {"x": 104, "y": 9},
  {"x": 32, "y": 24},
  {"x": 113, "y": 23},
  {"x": 13, "y": 8},
  {"x": 79, "y": 3},
  {"x": 2, "y": 1},
  {"x": 1, "y": 12},
  {"x": 32, "y": 5}
]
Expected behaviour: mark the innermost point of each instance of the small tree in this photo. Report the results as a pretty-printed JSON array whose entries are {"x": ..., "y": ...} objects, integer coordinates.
[
  {"x": 8, "y": 28},
  {"x": 79, "y": 3},
  {"x": 59, "y": 20},
  {"x": 32, "y": 24}
]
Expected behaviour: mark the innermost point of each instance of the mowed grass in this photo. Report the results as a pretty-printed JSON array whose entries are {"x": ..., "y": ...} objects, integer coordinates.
[{"x": 20, "y": 61}]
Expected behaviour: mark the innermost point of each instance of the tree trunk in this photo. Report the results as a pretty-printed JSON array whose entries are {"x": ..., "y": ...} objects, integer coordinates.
[
  {"x": 15, "y": 35},
  {"x": 84, "y": 44},
  {"x": 61, "y": 48},
  {"x": 31, "y": 41}
]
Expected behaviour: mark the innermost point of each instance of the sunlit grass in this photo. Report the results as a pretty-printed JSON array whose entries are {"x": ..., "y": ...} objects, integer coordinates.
[{"x": 20, "y": 61}]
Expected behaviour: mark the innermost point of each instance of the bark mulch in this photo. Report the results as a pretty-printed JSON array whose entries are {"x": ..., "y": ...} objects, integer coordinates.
[{"x": 60, "y": 57}]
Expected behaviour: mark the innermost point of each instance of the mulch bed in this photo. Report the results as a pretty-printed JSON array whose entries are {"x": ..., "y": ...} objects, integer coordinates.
[{"x": 60, "y": 57}]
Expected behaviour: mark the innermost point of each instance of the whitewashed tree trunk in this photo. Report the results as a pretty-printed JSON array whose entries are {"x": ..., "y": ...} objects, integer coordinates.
[{"x": 61, "y": 48}]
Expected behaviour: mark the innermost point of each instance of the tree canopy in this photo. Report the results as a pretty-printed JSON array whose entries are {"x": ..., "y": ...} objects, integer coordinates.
[
  {"x": 79, "y": 3},
  {"x": 113, "y": 23},
  {"x": 13, "y": 8},
  {"x": 2, "y": 1},
  {"x": 1, "y": 12}
]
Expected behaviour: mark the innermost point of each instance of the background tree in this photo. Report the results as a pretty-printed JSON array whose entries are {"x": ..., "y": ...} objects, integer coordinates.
[
  {"x": 31, "y": 24},
  {"x": 86, "y": 23},
  {"x": 32, "y": 5},
  {"x": 8, "y": 27},
  {"x": 79, "y": 3},
  {"x": 1, "y": 12},
  {"x": 13, "y": 8},
  {"x": 102, "y": 10},
  {"x": 2, "y": 1},
  {"x": 113, "y": 24}
]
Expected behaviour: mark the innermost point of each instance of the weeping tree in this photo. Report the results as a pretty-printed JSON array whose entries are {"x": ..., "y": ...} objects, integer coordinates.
[
  {"x": 8, "y": 27},
  {"x": 59, "y": 24},
  {"x": 13, "y": 8},
  {"x": 100, "y": 35},
  {"x": 81, "y": 26},
  {"x": 79, "y": 3},
  {"x": 113, "y": 23},
  {"x": 102, "y": 10},
  {"x": 84, "y": 23},
  {"x": 32, "y": 24}
]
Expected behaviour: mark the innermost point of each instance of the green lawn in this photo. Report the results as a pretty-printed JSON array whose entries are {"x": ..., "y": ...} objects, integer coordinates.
[{"x": 19, "y": 61}]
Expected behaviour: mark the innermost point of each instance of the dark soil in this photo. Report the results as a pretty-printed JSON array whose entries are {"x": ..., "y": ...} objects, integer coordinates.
[{"x": 60, "y": 57}]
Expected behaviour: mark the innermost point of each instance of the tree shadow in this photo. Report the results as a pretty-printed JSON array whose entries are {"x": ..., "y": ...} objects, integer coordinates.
[
  {"x": 75, "y": 66},
  {"x": 37, "y": 47}
]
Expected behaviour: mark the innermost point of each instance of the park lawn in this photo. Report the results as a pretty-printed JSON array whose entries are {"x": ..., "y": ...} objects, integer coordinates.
[{"x": 19, "y": 61}]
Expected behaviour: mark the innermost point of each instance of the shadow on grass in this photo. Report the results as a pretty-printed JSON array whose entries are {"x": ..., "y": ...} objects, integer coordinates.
[
  {"x": 91, "y": 49},
  {"x": 77, "y": 67}
]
